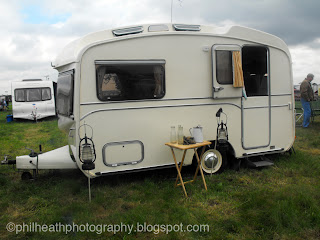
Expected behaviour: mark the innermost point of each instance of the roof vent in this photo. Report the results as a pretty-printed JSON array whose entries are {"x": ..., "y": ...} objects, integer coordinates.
[
  {"x": 127, "y": 31},
  {"x": 183, "y": 27},
  {"x": 158, "y": 28}
]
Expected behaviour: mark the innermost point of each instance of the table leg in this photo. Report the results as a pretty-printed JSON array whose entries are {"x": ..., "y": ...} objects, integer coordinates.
[
  {"x": 181, "y": 164},
  {"x": 178, "y": 170},
  {"x": 199, "y": 167}
]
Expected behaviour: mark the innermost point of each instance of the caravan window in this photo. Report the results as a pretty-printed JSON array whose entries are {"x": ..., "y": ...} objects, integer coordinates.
[
  {"x": 32, "y": 94},
  {"x": 46, "y": 94},
  {"x": 255, "y": 70},
  {"x": 65, "y": 93},
  {"x": 224, "y": 67},
  {"x": 19, "y": 95},
  {"x": 130, "y": 80}
]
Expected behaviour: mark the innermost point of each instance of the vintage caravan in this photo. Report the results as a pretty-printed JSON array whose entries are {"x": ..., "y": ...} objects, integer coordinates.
[
  {"x": 33, "y": 99},
  {"x": 120, "y": 91}
]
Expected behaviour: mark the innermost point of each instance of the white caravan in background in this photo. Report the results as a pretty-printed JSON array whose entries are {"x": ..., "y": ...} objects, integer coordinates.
[
  {"x": 33, "y": 99},
  {"x": 119, "y": 92}
]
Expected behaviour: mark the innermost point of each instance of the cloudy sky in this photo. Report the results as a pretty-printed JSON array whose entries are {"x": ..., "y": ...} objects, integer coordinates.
[{"x": 33, "y": 32}]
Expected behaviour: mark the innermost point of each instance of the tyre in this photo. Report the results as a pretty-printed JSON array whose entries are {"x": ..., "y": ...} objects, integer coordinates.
[{"x": 25, "y": 176}]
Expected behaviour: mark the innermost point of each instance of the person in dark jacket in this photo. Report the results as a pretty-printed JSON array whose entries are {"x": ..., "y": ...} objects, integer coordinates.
[{"x": 306, "y": 96}]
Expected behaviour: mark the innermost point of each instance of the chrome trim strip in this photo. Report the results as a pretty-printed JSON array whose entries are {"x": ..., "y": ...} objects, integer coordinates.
[
  {"x": 280, "y": 95},
  {"x": 112, "y": 172},
  {"x": 143, "y": 100},
  {"x": 129, "y": 62},
  {"x": 284, "y": 105},
  {"x": 151, "y": 107},
  {"x": 273, "y": 106}
]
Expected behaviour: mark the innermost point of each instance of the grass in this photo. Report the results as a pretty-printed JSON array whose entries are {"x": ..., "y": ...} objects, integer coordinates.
[{"x": 279, "y": 202}]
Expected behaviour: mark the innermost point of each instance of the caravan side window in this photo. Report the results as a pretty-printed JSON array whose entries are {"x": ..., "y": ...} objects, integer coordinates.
[
  {"x": 65, "y": 93},
  {"x": 130, "y": 80},
  {"x": 224, "y": 67},
  {"x": 255, "y": 70}
]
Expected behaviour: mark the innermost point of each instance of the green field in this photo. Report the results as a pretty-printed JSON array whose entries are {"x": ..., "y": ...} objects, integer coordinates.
[{"x": 279, "y": 202}]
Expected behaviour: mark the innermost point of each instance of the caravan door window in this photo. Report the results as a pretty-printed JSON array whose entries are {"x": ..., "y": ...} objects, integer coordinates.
[
  {"x": 224, "y": 67},
  {"x": 130, "y": 80},
  {"x": 65, "y": 93},
  {"x": 255, "y": 70}
]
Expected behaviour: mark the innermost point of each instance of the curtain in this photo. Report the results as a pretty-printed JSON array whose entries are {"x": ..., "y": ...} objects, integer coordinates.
[
  {"x": 157, "y": 72},
  {"x": 238, "y": 73}
]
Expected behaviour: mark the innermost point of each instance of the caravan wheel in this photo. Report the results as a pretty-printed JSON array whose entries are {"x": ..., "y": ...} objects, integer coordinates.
[
  {"x": 211, "y": 161},
  {"x": 25, "y": 176}
]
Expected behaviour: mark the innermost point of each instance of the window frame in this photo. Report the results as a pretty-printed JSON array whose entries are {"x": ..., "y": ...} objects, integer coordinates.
[
  {"x": 101, "y": 63},
  {"x": 225, "y": 47}
]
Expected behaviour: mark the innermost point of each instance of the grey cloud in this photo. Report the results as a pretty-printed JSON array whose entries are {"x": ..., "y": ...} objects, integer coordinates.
[{"x": 294, "y": 21}]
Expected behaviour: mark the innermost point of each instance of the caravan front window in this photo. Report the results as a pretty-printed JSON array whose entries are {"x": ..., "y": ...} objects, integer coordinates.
[
  {"x": 130, "y": 80},
  {"x": 46, "y": 94},
  {"x": 33, "y": 95},
  {"x": 19, "y": 95},
  {"x": 65, "y": 93}
]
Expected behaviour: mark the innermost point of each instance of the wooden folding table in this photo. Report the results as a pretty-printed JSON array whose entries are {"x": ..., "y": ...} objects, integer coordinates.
[{"x": 185, "y": 148}]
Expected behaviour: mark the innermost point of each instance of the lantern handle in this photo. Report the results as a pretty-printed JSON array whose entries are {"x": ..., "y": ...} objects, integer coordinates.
[{"x": 85, "y": 130}]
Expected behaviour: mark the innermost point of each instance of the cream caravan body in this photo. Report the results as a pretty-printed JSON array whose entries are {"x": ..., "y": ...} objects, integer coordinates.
[{"x": 127, "y": 87}]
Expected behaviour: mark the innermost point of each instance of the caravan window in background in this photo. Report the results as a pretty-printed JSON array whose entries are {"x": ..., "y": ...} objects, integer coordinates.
[
  {"x": 19, "y": 95},
  {"x": 224, "y": 67},
  {"x": 46, "y": 94},
  {"x": 33, "y": 95},
  {"x": 255, "y": 70},
  {"x": 130, "y": 80}
]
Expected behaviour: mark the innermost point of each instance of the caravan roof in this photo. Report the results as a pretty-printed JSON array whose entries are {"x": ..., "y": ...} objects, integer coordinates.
[{"x": 74, "y": 50}]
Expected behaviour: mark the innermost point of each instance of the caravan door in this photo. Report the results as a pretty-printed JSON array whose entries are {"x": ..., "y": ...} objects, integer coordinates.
[
  {"x": 256, "y": 108},
  {"x": 255, "y": 95}
]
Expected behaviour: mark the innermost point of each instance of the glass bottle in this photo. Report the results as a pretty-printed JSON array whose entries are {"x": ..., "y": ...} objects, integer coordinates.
[
  {"x": 173, "y": 135},
  {"x": 180, "y": 134}
]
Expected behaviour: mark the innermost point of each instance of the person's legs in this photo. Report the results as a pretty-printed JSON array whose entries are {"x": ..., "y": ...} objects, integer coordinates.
[{"x": 306, "y": 112}]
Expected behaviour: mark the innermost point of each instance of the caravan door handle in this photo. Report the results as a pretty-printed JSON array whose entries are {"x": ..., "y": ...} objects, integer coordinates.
[{"x": 217, "y": 89}]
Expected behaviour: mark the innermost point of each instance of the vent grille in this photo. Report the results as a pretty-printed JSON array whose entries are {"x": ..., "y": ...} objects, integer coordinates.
[
  {"x": 183, "y": 27},
  {"x": 127, "y": 31}
]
